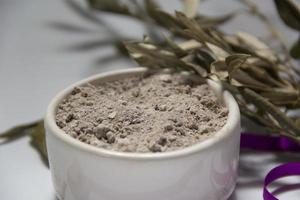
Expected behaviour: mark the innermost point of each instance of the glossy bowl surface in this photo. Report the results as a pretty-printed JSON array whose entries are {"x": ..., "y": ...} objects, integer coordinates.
[{"x": 204, "y": 171}]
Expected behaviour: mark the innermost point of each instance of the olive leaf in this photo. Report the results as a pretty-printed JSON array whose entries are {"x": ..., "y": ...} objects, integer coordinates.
[
  {"x": 234, "y": 62},
  {"x": 264, "y": 104},
  {"x": 115, "y": 6},
  {"x": 151, "y": 7},
  {"x": 167, "y": 21},
  {"x": 190, "y": 7},
  {"x": 151, "y": 56},
  {"x": 17, "y": 132},
  {"x": 218, "y": 52},
  {"x": 35, "y": 131},
  {"x": 208, "y": 22},
  {"x": 259, "y": 119},
  {"x": 153, "y": 10},
  {"x": 38, "y": 141},
  {"x": 193, "y": 30},
  {"x": 242, "y": 79},
  {"x": 257, "y": 46},
  {"x": 289, "y": 12},
  {"x": 204, "y": 58},
  {"x": 262, "y": 74},
  {"x": 297, "y": 121},
  {"x": 283, "y": 97},
  {"x": 219, "y": 68},
  {"x": 82, "y": 12},
  {"x": 176, "y": 49},
  {"x": 295, "y": 50}
]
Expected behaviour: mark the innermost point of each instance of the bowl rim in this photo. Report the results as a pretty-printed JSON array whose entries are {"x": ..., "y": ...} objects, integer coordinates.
[{"x": 233, "y": 122}]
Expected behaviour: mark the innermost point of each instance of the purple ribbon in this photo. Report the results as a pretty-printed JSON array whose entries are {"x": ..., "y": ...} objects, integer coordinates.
[
  {"x": 289, "y": 169},
  {"x": 272, "y": 143},
  {"x": 268, "y": 143}
]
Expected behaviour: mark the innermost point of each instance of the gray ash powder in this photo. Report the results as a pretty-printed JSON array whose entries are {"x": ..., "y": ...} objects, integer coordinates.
[{"x": 153, "y": 113}]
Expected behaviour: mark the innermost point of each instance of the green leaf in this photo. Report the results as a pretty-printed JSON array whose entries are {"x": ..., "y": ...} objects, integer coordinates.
[{"x": 289, "y": 12}]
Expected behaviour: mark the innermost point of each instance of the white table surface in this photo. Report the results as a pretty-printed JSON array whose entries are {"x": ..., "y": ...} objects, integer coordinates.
[{"x": 36, "y": 62}]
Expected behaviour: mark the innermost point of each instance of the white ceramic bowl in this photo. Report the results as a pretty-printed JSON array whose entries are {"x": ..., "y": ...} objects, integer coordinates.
[{"x": 204, "y": 171}]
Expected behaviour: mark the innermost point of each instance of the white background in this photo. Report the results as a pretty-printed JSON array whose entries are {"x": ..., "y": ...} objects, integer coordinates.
[{"x": 37, "y": 61}]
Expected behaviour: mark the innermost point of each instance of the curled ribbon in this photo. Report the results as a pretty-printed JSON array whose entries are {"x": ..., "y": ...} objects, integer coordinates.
[{"x": 272, "y": 143}]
